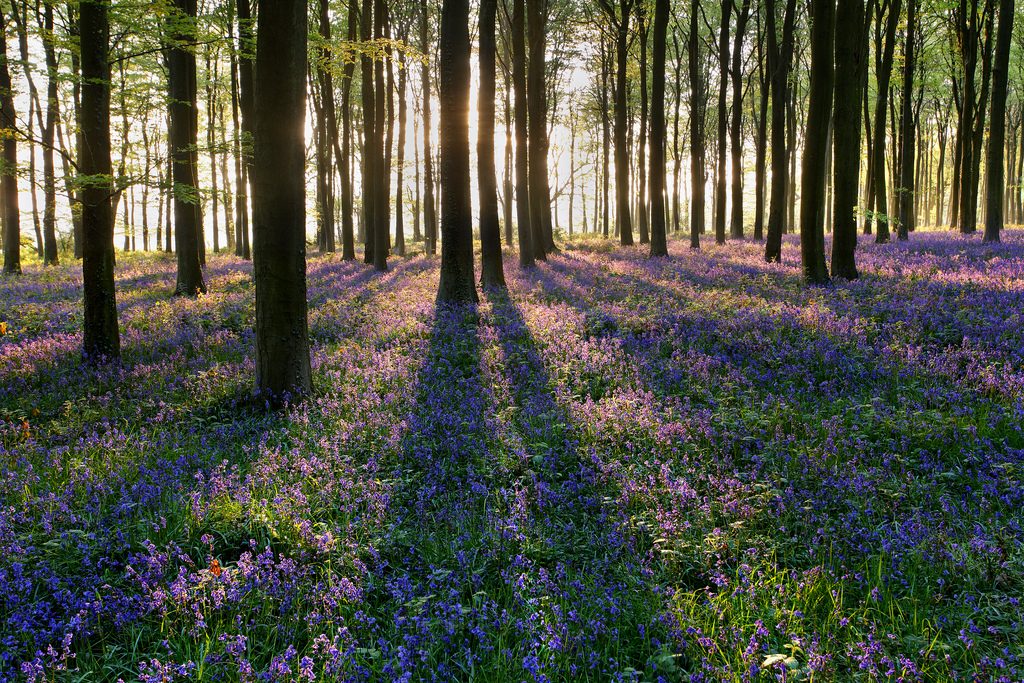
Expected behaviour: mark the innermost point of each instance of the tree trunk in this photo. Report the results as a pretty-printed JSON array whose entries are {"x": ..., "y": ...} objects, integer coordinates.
[
  {"x": 457, "y": 283},
  {"x": 621, "y": 123},
  {"x": 326, "y": 136},
  {"x": 429, "y": 212},
  {"x": 540, "y": 208},
  {"x": 779, "y": 60},
  {"x": 101, "y": 338},
  {"x": 279, "y": 201},
  {"x": 907, "y": 161},
  {"x": 815, "y": 160},
  {"x": 697, "y": 103},
  {"x": 182, "y": 134},
  {"x": 997, "y": 125},
  {"x": 659, "y": 240},
  {"x": 723, "y": 118},
  {"x": 850, "y": 62},
  {"x": 523, "y": 217},
  {"x": 9, "y": 173},
  {"x": 641, "y": 167},
  {"x": 381, "y": 191},
  {"x": 348, "y": 248},
  {"x": 241, "y": 122},
  {"x": 492, "y": 273},
  {"x": 403, "y": 116}
]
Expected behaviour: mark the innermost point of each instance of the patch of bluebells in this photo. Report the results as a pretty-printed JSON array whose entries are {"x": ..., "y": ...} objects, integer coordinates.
[{"x": 625, "y": 469}]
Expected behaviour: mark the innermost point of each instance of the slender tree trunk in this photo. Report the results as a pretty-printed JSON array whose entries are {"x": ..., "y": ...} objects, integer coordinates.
[
  {"x": 457, "y": 283},
  {"x": 997, "y": 125},
  {"x": 381, "y": 148},
  {"x": 540, "y": 208},
  {"x": 697, "y": 103},
  {"x": 523, "y": 204},
  {"x": 403, "y": 116},
  {"x": 101, "y": 339},
  {"x": 491, "y": 270},
  {"x": 50, "y": 256},
  {"x": 9, "y": 172},
  {"x": 723, "y": 119},
  {"x": 606, "y": 139},
  {"x": 621, "y": 123},
  {"x": 659, "y": 241},
  {"x": 779, "y": 60},
  {"x": 348, "y": 248},
  {"x": 907, "y": 162},
  {"x": 643, "y": 200},
  {"x": 279, "y": 201},
  {"x": 429, "y": 213}
]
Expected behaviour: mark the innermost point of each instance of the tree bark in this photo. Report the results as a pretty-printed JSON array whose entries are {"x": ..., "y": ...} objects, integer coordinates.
[
  {"x": 780, "y": 57},
  {"x": 997, "y": 125},
  {"x": 101, "y": 338},
  {"x": 659, "y": 241},
  {"x": 183, "y": 137},
  {"x": 723, "y": 118},
  {"x": 279, "y": 201},
  {"x": 429, "y": 212},
  {"x": 540, "y": 207},
  {"x": 457, "y": 283},
  {"x": 492, "y": 272},
  {"x": 908, "y": 169},
  {"x": 523, "y": 204},
  {"x": 815, "y": 161},
  {"x": 850, "y": 62},
  {"x": 697, "y": 104},
  {"x": 9, "y": 172}
]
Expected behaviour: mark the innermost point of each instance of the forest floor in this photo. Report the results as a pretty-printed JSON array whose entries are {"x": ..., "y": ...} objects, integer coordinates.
[{"x": 685, "y": 469}]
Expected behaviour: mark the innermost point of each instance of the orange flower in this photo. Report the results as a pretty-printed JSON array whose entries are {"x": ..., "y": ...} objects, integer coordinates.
[
  {"x": 215, "y": 567},
  {"x": 24, "y": 428},
  {"x": 3, "y": 327}
]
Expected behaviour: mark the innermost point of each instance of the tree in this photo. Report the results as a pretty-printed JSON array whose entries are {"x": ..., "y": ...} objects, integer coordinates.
[
  {"x": 659, "y": 243},
  {"x": 907, "y": 180},
  {"x": 457, "y": 280},
  {"x": 101, "y": 338},
  {"x": 815, "y": 161},
  {"x": 523, "y": 216},
  {"x": 850, "y": 65},
  {"x": 50, "y": 256},
  {"x": 279, "y": 200},
  {"x": 883, "y": 69},
  {"x": 723, "y": 89},
  {"x": 491, "y": 270},
  {"x": 540, "y": 191},
  {"x": 183, "y": 137},
  {"x": 619, "y": 18},
  {"x": 9, "y": 163},
  {"x": 780, "y": 57},
  {"x": 994, "y": 178},
  {"x": 736, "y": 126},
  {"x": 429, "y": 211},
  {"x": 698, "y": 99}
]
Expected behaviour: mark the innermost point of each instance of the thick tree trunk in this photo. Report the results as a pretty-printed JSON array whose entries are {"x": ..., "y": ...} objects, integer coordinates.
[
  {"x": 457, "y": 283},
  {"x": 815, "y": 160},
  {"x": 659, "y": 241},
  {"x": 279, "y": 201},
  {"x": 101, "y": 339},
  {"x": 183, "y": 137},
  {"x": 492, "y": 273},
  {"x": 850, "y": 62},
  {"x": 997, "y": 125}
]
